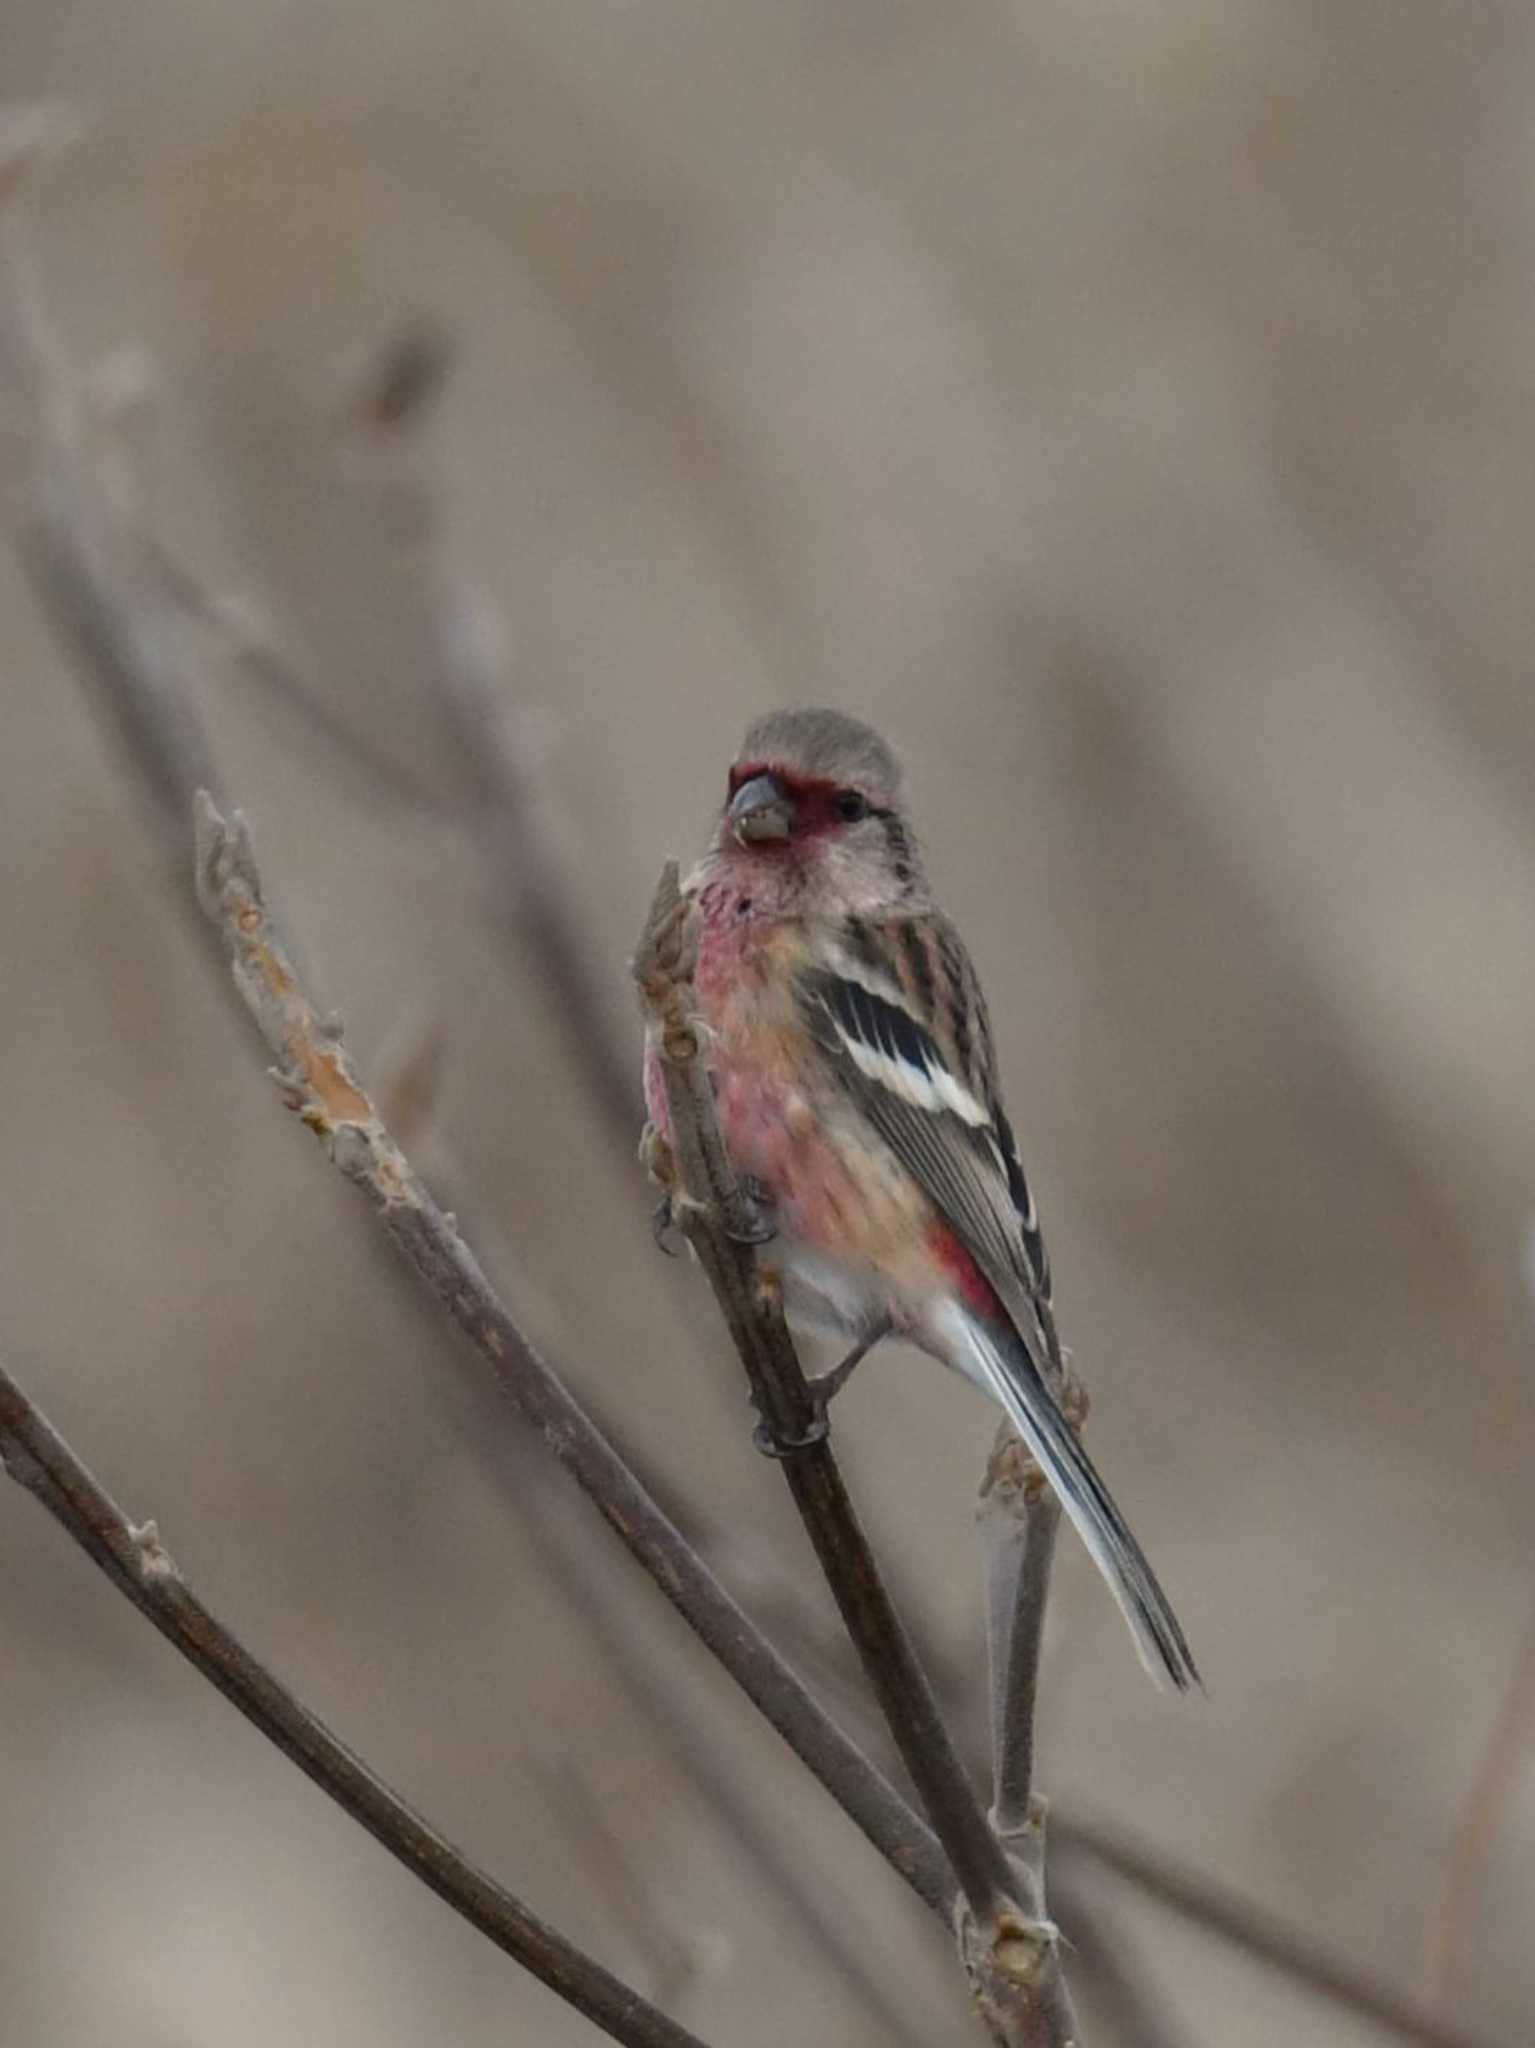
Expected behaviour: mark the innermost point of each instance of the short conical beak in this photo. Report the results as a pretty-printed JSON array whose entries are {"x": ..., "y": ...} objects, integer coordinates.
[{"x": 761, "y": 811}]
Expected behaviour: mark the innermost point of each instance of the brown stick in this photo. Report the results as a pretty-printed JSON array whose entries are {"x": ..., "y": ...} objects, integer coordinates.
[
  {"x": 1011, "y": 1954},
  {"x": 464, "y": 672},
  {"x": 668, "y": 1714},
  {"x": 112, "y": 591},
  {"x": 321, "y": 1086},
  {"x": 63, "y": 529},
  {"x": 137, "y": 1563},
  {"x": 1019, "y": 1518}
]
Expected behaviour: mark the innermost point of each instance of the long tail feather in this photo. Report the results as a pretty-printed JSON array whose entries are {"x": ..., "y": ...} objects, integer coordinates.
[{"x": 1002, "y": 1367}]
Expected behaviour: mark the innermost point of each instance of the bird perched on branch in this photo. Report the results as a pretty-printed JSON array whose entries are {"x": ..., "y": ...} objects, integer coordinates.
[{"x": 857, "y": 1090}]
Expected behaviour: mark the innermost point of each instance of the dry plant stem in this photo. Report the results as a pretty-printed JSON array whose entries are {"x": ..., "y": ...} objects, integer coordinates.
[
  {"x": 114, "y": 608},
  {"x": 1262, "y": 1936},
  {"x": 112, "y": 590},
  {"x": 319, "y": 1084},
  {"x": 250, "y": 643},
  {"x": 547, "y": 1512},
  {"x": 1019, "y": 1519},
  {"x": 1010, "y": 1956},
  {"x": 65, "y": 536},
  {"x": 134, "y": 1559},
  {"x": 460, "y": 640},
  {"x": 1483, "y": 1811}
]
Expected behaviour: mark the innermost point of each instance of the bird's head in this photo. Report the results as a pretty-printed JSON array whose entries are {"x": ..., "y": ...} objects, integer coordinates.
[{"x": 813, "y": 816}]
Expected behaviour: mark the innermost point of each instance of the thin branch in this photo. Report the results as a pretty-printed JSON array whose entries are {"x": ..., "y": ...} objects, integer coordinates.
[
  {"x": 1483, "y": 1812},
  {"x": 93, "y": 559},
  {"x": 1261, "y": 1934},
  {"x": 1019, "y": 1517},
  {"x": 658, "y": 1697},
  {"x": 247, "y": 638},
  {"x": 461, "y": 642},
  {"x": 319, "y": 1083},
  {"x": 134, "y": 1559},
  {"x": 1011, "y": 1954},
  {"x": 64, "y": 532},
  {"x": 394, "y": 415},
  {"x": 117, "y": 596},
  {"x": 669, "y": 1716}
]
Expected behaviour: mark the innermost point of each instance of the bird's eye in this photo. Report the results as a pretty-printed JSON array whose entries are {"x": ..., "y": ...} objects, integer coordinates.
[{"x": 850, "y": 806}]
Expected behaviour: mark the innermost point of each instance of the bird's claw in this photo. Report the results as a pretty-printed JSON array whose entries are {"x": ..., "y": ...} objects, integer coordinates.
[
  {"x": 656, "y": 1157},
  {"x": 772, "y": 1445},
  {"x": 662, "y": 1222},
  {"x": 823, "y": 1390},
  {"x": 751, "y": 1220}
]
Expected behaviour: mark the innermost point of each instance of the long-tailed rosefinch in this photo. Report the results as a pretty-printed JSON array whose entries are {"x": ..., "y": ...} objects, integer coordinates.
[{"x": 857, "y": 1087}]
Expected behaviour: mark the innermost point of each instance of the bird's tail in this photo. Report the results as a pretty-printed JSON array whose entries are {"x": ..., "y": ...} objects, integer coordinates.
[{"x": 1001, "y": 1365}]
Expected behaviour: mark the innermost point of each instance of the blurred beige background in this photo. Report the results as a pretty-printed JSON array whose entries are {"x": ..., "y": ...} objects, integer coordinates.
[{"x": 1131, "y": 410}]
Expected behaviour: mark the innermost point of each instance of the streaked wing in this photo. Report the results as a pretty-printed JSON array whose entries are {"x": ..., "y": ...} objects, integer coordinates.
[{"x": 897, "y": 1008}]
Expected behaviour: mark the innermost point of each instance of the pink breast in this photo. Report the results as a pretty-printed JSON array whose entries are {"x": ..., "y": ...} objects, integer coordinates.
[{"x": 773, "y": 1121}]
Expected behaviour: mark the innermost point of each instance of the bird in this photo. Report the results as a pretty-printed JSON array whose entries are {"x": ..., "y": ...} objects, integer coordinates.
[{"x": 855, "y": 1075}]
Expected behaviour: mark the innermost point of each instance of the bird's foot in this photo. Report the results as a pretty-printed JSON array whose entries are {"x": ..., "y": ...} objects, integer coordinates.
[
  {"x": 656, "y": 1157},
  {"x": 823, "y": 1390},
  {"x": 772, "y": 1445},
  {"x": 751, "y": 1217},
  {"x": 657, "y": 1160},
  {"x": 827, "y": 1385},
  {"x": 663, "y": 1221}
]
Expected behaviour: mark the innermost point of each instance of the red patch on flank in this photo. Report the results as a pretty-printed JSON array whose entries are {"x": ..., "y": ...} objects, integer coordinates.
[{"x": 975, "y": 1290}]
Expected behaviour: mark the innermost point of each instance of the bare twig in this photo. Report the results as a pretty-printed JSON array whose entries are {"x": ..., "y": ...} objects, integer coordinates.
[
  {"x": 393, "y": 416},
  {"x": 68, "y": 537},
  {"x": 137, "y": 1563},
  {"x": 1488, "y": 1799},
  {"x": 64, "y": 533},
  {"x": 461, "y": 646},
  {"x": 240, "y": 629},
  {"x": 320, "y": 1085},
  {"x": 91, "y": 548},
  {"x": 669, "y": 1719},
  {"x": 1019, "y": 1517},
  {"x": 1260, "y": 1934},
  {"x": 118, "y": 595},
  {"x": 1011, "y": 1954}
]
